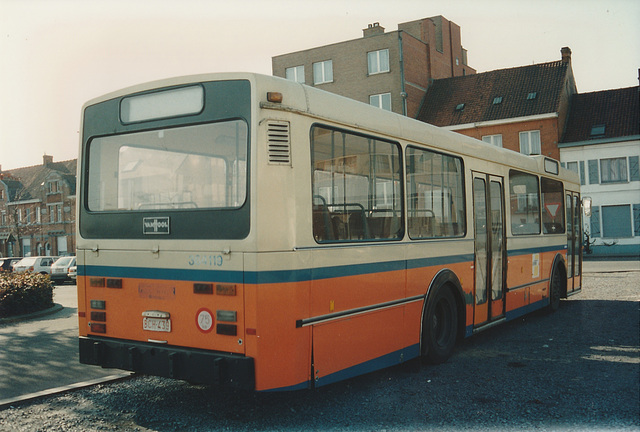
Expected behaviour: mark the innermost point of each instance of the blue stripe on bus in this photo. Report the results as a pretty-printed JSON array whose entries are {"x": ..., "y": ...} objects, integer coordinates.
[
  {"x": 529, "y": 251},
  {"x": 391, "y": 359},
  {"x": 284, "y": 276}
]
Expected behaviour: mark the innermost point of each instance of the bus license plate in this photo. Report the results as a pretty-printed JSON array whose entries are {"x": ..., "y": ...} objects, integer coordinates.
[{"x": 156, "y": 324}]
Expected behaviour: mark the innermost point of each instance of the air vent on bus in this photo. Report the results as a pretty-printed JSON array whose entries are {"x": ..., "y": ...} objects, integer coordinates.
[{"x": 279, "y": 143}]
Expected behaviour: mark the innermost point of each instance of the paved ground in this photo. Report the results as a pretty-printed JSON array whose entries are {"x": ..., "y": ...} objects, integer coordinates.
[{"x": 42, "y": 353}]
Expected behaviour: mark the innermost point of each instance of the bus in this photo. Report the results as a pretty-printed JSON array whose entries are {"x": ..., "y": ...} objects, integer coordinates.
[{"x": 248, "y": 231}]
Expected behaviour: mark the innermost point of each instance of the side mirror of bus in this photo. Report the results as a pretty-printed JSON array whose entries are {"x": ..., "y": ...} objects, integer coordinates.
[{"x": 586, "y": 205}]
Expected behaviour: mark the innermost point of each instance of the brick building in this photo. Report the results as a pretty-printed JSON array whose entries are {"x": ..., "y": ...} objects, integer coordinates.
[
  {"x": 523, "y": 109},
  {"x": 391, "y": 70},
  {"x": 37, "y": 209}
]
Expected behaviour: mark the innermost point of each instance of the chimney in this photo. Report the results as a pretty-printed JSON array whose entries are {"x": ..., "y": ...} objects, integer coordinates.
[
  {"x": 566, "y": 54},
  {"x": 373, "y": 30},
  {"x": 46, "y": 160}
]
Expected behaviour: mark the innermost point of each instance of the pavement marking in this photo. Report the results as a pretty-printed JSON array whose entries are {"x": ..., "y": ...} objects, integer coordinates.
[{"x": 4, "y": 403}]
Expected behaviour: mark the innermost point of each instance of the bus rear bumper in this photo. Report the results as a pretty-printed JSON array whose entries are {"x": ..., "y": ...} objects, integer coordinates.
[{"x": 192, "y": 365}]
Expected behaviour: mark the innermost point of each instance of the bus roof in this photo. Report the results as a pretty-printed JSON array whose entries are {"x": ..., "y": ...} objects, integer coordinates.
[{"x": 348, "y": 112}]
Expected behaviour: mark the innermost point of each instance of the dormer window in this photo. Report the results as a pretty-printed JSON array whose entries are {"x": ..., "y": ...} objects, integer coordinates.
[
  {"x": 532, "y": 95},
  {"x": 460, "y": 107},
  {"x": 497, "y": 100},
  {"x": 597, "y": 130}
]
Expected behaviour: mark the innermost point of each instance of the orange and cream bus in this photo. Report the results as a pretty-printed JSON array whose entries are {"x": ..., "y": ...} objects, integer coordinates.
[{"x": 245, "y": 230}]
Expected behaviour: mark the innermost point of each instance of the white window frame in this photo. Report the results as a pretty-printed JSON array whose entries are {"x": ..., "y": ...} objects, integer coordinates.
[
  {"x": 529, "y": 140},
  {"x": 382, "y": 101},
  {"x": 323, "y": 72},
  {"x": 378, "y": 61},
  {"x": 495, "y": 140},
  {"x": 295, "y": 73}
]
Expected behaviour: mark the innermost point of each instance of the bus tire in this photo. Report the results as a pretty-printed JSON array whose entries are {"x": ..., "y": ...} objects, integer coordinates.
[
  {"x": 440, "y": 326},
  {"x": 555, "y": 290}
]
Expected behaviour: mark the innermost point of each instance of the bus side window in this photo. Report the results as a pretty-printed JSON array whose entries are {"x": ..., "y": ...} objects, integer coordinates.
[
  {"x": 552, "y": 206},
  {"x": 436, "y": 196},
  {"x": 357, "y": 193},
  {"x": 524, "y": 203}
]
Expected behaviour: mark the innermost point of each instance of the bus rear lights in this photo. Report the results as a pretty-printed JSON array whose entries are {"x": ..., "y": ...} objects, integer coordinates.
[
  {"x": 98, "y": 327},
  {"x": 96, "y": 282},
  {"x": 202, "y": 288},
  {"x": 98, "y": 304},
  {"x": 98, "y": 316},
  {"x": 275, "y": 97},
  {"x": 114, "y": 283},
  {"x": 226, "y": 316},
  {"x": 227, "y": 329},
  {"x": 226, "y": 290}
]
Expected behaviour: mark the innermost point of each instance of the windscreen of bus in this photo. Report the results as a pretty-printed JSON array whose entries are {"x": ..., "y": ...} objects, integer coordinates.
[{"x": 192, "y": 167}]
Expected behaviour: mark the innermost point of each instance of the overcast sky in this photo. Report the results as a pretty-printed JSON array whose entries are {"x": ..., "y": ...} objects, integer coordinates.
[{"x": 57, "y": 54}]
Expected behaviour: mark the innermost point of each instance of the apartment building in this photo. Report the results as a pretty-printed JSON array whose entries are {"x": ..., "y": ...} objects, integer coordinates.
[
  {"x": 523, "y": 109},
  {"x": 390, "y": 70},
  {"x": 37, "y": 209},
  {"x": 602, "y": 144}
]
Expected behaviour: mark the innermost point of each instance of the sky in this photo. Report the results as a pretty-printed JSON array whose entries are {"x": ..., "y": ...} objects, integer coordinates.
[{"x": 57, "y": 54}]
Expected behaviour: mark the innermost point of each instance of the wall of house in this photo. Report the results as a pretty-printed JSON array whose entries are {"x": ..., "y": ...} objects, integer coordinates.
[
  {"x": 622, "y": 196},
  {"x": 350, "y": 70},
  {"x": 416, "y": 71},
  {"x": 548, "y": 128}
]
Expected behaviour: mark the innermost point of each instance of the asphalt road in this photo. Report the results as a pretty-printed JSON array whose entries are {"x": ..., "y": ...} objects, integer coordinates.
[{"x": 577, "y": 369}]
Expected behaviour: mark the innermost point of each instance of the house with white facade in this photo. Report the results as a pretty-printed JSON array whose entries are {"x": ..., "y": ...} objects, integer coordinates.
[{"x": 602, "y": 143}]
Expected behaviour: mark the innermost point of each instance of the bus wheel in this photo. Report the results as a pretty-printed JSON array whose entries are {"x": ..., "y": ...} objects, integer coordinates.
[
  {"x": 555, "y": 291},
  {"x": 440, "y": 326}
]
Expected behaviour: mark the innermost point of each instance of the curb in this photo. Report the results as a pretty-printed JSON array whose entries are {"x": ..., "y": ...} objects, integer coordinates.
[
  {"x": 53, "y": 309},
  {"x": 7, "y": 403}
]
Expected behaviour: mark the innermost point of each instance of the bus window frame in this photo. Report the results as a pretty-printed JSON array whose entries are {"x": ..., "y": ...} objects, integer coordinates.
[{"x": 367, "y": 238}]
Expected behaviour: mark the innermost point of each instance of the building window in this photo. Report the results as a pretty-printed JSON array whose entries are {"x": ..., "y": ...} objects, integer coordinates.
[
  {"x": 495, "y": 140},
  {"x": 295, "y": 73},
  {"x": 381, "y": 101},
  {"x": 27, "y": 215},
  {"x": 378, "y": 61},
  {"x": 613, "y": 170},
  {"x": 530, "y": 142},
  {"x": 460, "y": 107},
  {"x": 616, "y": 221},
  {"x": 597, "y": 130},
  {"x": 532, "y": 95},
  {"x": 497, "y": 100},
  {"x": 323, "y": 72}
]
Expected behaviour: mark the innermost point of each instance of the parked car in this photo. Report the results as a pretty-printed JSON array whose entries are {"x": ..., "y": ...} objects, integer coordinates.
[
  {"x": 6, "y": 264},
  {"x": 60, "y": 269},
  {"x": 73, "y": 272},
  {"x": 41, "y": 264}
]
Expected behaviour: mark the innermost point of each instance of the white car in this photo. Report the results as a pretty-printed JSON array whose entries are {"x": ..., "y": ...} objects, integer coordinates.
[
  {"x": 40, "y": 265},
  {"x": 60, "y": 269}
]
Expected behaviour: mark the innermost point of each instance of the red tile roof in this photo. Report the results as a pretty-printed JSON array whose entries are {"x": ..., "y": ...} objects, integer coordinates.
[
  {"x": 477, "y": 92},
  {"x": 617, "y": 110}
]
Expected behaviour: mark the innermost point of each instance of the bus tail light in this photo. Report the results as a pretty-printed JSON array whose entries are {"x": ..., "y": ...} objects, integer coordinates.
[
  {"x": 227, "y": 329},
  {"x": 226, "y": 316},
  {"x": 98, "y": 327}
]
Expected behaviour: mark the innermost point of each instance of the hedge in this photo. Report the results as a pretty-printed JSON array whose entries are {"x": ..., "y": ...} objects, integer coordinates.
[{"x": 23, "y": 293}]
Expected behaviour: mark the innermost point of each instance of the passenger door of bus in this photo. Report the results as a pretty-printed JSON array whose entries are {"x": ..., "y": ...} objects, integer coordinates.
[
  {"x": 488, "y": 216},
  {"x": 574, "y": 238}
]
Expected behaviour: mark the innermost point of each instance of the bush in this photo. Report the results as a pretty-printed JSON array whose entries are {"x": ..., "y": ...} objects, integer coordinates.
[{"x": 22, "y": 293}]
